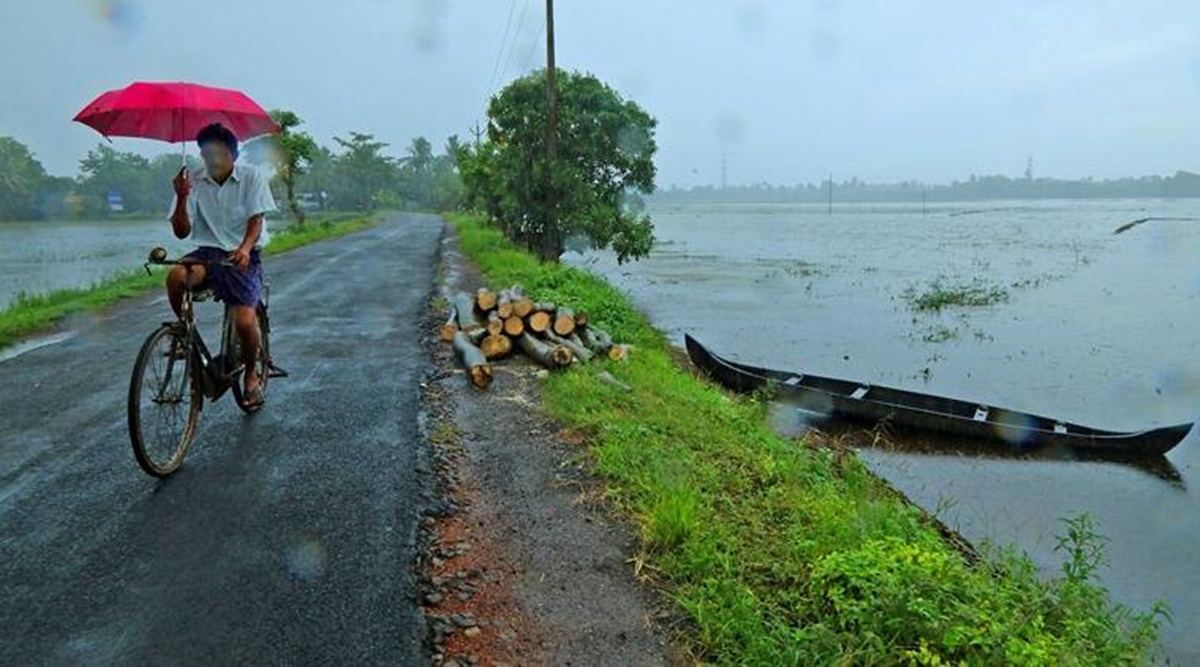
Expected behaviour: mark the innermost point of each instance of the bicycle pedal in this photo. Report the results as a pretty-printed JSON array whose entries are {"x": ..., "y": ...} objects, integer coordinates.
[{"x": 274, "y": 371}]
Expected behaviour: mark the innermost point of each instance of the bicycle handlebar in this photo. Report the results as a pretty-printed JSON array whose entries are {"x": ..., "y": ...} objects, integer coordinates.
[{"x": 158, "y": 257}]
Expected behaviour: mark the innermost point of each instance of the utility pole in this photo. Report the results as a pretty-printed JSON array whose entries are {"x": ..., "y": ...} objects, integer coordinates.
[
  {"x": 478, "y": 133},
  {"x": 550, "y": 234},
  {"x": 724, "y": 172},
  {"x": 831, "y": 193}
]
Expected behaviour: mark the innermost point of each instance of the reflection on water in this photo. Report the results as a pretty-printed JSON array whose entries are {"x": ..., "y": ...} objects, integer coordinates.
[
  {"x": 794, "y": 421},
  {"x": 1098, "y": 329}
]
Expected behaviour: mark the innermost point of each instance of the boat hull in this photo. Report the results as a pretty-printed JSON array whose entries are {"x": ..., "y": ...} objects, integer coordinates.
[{"x": 906, "y": 410}]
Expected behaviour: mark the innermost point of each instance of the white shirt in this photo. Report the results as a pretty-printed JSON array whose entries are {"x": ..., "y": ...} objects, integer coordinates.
[{"x": 219, "y": 212}]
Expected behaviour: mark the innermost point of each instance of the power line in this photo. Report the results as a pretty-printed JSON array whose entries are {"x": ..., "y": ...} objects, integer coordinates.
[
  {"x": 500, "y": 69},
  {"x": 512, "y": 7},
  {"x": 533, "y": 48},
  {"x": 520, "y": 25}
]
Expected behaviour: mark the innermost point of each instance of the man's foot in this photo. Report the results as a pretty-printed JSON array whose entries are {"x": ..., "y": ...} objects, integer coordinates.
[{"x": 253, "y": 395}]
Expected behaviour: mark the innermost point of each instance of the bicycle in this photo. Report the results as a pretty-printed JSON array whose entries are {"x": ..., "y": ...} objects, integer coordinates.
[{"x": 175, "y": 372}]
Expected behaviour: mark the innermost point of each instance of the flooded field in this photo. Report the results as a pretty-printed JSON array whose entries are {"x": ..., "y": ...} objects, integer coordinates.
[
  {"x": 40, "y": 257},
  {"x": 1079, "y": 323}
]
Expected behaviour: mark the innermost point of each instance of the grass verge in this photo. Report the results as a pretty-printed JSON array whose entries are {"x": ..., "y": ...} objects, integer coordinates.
[
  {"x": 785, "y": 552},
  {"x": 32, "y": 313}
]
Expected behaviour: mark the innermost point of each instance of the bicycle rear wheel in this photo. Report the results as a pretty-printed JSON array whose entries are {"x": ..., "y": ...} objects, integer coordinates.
[
  {"x": 164, "y": 401},
  {"x": 262, "y": 363}
]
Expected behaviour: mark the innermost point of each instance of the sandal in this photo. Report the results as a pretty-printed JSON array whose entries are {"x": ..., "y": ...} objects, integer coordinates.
[{"x": 254, "y": 398}]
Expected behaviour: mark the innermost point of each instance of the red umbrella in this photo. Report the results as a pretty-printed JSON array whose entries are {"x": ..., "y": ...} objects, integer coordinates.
[{"x": 174, "y": 112}]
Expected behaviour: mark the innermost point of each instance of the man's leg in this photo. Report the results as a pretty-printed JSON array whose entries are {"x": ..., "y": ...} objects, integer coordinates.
[
  {"x": 245, "y": 321},
  {"x": 179, "y": 279}
]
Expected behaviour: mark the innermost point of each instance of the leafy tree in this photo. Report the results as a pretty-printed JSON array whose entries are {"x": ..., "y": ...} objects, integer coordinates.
[
  {"x": 321, "y": 176},
  {"x": 295, "y": 151},
  {"x": 107, "y": 170},
  {"x": 364, "y": 172},
  {"x": 22, "y": 179},
  {"x": 605, "y": 154}
]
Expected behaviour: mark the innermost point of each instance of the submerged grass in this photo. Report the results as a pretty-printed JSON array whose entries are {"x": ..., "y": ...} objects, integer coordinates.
[
  {"x": 782, "y": 553},
  {"x": 943, "y": 293},
  {"x": 31, "y": 313}
]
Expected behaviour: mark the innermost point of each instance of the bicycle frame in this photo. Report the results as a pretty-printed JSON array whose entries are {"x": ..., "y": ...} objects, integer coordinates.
[{"x": 213, "y": 379}]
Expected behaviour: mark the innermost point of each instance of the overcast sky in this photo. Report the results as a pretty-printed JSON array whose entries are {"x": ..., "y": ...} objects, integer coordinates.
[{"x": 789, "y": 90}]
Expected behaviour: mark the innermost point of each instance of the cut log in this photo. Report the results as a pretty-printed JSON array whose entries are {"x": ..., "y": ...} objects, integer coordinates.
[
  {"x": 514, "y": 326},
  {"x": 522, "y": 305},
  {"x": 504, "y": 304},
  {"x": 596, "y": 340},
  {"x": 451, "y": 326},
  {"x": 476, "y": 337},
  {"x": 550, "y": 356},
  {"x": 577, "y": 348},
  {"x": 544, "y": 306},
  {"x": 539, "y": 321},
  {"x": 581, "y": 320},
  {"x": 496, "y": 346},
  {"x": 620, "y": 352},
  {"x": 574, "y": 338},
  {"x": 464, "y": 306},
  {"x": 495, "y": 324},
  {"x": 473, "y": 361},
  {"x": 485, "y": 299},
  {"x": 564, "y": 321},
  {"x": 607, "y": 378}
]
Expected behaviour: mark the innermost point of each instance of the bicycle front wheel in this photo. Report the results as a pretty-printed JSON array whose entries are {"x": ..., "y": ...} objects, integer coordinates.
[{"x": 164, "y": 401}]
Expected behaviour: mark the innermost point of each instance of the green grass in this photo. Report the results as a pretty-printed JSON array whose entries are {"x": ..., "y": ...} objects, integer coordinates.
[
  {"x": 32, "y": 313},
  {"x": 942, "y": 293},
  {"x": 783, "y": 552}
]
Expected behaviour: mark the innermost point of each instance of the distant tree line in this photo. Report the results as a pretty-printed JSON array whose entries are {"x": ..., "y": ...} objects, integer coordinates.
[
  {"x": 357, "y": 174},
  {"x": 976, "y": 188}
]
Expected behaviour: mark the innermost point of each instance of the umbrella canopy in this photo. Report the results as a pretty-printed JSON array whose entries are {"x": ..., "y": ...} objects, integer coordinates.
[{"x": 174, "y": 112}]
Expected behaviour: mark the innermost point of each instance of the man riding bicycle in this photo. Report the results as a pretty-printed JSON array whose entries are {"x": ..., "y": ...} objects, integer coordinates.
[{"x": 222, "y": 212}]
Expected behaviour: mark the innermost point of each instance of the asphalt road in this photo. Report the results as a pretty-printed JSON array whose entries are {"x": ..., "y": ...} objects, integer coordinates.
[{"x": 286, "y": 538}]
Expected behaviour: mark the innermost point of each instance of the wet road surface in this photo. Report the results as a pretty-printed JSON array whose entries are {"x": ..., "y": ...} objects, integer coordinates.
[{"x": 286, "y": 537}]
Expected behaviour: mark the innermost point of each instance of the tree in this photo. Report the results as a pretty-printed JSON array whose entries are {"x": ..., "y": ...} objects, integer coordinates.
[
  {"x": 363, "y": 171},
  {"x": 605, "y": 154},
  {"x": 417, "y": 173},
  {"x": 106, "y": 170},
  {"x": 22, "y": 179},
  {"x": 420, "y": 155},
  {"x": 321, "y": 175},
  {"x": 295, "y": 151}
]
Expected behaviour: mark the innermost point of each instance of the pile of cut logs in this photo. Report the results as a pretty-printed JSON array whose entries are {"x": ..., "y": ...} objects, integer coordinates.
[{"x": 490, "y": 325}]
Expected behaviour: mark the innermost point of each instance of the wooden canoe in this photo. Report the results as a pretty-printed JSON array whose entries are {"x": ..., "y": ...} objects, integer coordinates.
[{"x": 898, "y": 408}]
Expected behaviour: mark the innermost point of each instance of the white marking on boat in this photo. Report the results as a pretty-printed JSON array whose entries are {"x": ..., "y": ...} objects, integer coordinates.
[
  {"x": 794, "y": 380},
  {"x": 1060, "y": 427},
  {"x": 860, "y": 392},
  {"x": 981, "y": 413}
]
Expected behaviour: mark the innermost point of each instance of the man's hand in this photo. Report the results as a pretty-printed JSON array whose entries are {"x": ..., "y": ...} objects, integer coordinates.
[
  {"x": 183, "y": 185},
  {"x": 240, "y": 258}
]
